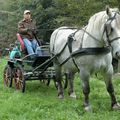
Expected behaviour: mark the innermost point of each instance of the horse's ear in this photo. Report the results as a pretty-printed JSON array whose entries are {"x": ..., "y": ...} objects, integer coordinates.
[{"x": 108, "y": 11}]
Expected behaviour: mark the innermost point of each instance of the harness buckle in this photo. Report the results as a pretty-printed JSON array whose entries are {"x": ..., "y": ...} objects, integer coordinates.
[{"x": 71, "y": 37}]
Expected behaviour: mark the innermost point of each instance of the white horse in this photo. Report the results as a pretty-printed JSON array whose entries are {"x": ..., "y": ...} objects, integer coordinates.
[{"x": 90, "y": 51}]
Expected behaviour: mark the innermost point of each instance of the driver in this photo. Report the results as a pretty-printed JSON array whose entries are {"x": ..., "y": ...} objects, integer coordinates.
[{"x": 27, "y": 29}]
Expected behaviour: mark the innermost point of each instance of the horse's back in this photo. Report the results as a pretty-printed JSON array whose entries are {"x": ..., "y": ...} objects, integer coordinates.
[{"x": 59, "y": 38}]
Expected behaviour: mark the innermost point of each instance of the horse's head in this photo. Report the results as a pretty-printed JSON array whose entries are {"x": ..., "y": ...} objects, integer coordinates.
[
  {"x": 105, "y": 27},
  {"x": 111, "y": 31}
]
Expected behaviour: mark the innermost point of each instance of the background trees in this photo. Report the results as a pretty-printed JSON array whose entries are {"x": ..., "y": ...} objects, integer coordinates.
[{"x": 49, "y": 14}]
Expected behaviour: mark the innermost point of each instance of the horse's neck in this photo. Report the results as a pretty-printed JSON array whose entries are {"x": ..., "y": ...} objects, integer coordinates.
[{"x": 92, "y": 37}]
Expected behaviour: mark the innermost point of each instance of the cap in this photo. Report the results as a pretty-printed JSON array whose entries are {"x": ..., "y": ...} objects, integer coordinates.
[{"x": 26, "y": 11}]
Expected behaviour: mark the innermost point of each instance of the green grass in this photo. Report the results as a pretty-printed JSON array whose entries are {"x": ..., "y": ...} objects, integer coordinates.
[{"x": 40, "y": 102}]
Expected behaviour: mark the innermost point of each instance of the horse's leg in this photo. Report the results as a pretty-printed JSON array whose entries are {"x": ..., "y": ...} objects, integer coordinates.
[
  {"x": 58, "y": 80},
  {"x": 70, "y": 77},
  {"x": 110, "y": 88},
  {"x": 84, "y": 75}
]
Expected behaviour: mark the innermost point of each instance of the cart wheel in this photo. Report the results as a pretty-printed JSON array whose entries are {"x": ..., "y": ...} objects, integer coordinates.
[
  {"x": 46, "y": 82},
  {"x": 19, "y": 78},
  {"x": 7, "y": 75}
]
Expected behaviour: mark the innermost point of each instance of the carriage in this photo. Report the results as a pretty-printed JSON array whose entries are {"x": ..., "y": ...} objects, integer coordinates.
[
  {"x": 22, "y": 67},
  {"x": 97, "y": 45}
]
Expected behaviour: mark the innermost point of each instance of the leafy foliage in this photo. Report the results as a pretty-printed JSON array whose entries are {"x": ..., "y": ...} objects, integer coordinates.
[{"x": 49, "y": 14}]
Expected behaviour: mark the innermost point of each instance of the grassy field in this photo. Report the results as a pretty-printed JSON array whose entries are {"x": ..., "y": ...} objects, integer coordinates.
[{"x": 40, "y": 102}]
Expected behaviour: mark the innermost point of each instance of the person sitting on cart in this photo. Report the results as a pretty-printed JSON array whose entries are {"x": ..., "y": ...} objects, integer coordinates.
[{"x": 27, "y": 30}]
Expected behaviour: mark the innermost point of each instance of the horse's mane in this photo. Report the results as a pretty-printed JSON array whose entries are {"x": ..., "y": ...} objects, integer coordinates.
[{"x": 100, "y": 18}]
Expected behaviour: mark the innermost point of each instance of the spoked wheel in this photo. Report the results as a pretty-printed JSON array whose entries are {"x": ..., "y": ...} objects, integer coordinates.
[
  {"x": 19, "y": 78},
  {"x": 8, "y": 76},
  {"x": 46, "y": 82}
]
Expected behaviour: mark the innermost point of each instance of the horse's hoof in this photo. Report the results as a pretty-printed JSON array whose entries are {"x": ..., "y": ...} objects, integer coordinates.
[
  {"x": 116, "y": 106},
  {"x": 88, "y": 108},
  {"x": 73, "y": 95},
  {"x": 60, "y": 96}
]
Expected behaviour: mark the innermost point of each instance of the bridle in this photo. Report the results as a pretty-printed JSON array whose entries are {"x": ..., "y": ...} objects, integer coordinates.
[
  {"x": 107, "y": 27},
  {"x": 108, "y": 30}
]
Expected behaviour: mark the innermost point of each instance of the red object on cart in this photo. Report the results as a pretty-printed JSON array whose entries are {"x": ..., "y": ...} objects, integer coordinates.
[{"x": 21, "y": 41}]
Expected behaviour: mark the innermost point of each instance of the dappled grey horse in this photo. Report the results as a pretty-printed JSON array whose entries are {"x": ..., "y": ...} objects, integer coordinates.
[{"x": 88, "y": 50}]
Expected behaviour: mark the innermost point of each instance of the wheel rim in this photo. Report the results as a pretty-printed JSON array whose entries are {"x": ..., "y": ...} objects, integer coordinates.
[
  {"x": 19, "y": 79},
  {"x": 8, "y": 76}
]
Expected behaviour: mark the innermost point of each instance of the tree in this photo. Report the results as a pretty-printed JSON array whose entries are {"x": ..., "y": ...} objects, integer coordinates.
[{"x": 49, "y": 15}]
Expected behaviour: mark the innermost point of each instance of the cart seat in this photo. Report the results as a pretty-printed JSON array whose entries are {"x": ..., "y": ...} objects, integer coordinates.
[
  {"x": 44, "y": 47},
  {"x": 21, "y": 42}
]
